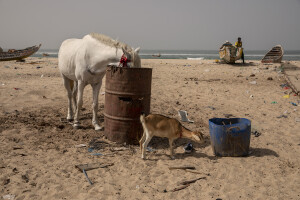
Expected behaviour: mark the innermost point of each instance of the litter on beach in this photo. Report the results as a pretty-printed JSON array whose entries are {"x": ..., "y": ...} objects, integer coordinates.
[{"x": 183, "y": 116}]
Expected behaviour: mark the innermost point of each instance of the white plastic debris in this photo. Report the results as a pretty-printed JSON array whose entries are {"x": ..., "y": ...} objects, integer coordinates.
[
  {"x": 183, "y": 116},
  {"x": 9, "y": 196},
  {"x": 253, "y": 82},
  {"x": 80, "y": 145}
]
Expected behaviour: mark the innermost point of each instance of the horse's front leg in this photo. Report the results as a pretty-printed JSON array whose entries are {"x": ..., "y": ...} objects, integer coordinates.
[
  {"x": 80, "y": 88},
  {"x": 96, "y": 88}
]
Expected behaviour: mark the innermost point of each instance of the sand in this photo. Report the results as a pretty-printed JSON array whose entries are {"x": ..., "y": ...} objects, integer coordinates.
[{"x": 38, "y": 153}]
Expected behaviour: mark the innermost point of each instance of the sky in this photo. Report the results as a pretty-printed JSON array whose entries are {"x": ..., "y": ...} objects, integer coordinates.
[{"x": 152, "y": 24}]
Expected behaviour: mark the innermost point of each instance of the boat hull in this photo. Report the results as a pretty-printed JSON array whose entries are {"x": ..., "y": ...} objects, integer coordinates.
[
  {"x": 230, "y": 54},
  {"x": 19, "y": 54},
  {"x": 274, "y": 55}
]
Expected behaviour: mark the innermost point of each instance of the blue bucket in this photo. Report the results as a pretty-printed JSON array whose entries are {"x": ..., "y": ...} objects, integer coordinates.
[{"x": 230, "y": 136}]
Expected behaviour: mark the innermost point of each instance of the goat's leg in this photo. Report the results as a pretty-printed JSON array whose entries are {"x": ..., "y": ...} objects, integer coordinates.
[
  {"x": 68, "y": 85},
  {"x": 142, "y": 140},
  {"x": 148, "y": 139},
  {"x": 81, "y": 86},
  {"x": 171, "y": 148},
  {"x": 96, "y": 89}
]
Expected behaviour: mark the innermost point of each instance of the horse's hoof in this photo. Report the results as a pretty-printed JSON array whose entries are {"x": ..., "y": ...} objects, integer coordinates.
[
  {"x": 76, "y": 126},
  {"x": 98, "y": 128}
]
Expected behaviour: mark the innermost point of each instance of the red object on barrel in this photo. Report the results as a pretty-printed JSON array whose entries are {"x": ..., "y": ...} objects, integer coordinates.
[{"x": 127, "y": 95}]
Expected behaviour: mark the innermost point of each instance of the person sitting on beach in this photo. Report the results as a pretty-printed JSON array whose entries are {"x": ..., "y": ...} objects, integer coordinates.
[{"x": 240, "y": 44}]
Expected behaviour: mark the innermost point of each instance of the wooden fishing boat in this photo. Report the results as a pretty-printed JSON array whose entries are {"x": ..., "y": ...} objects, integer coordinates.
[
  {"x": 18, "y": 54},
  {"x": 274, "y": 55},
  {"x": 230, "y": 53}
]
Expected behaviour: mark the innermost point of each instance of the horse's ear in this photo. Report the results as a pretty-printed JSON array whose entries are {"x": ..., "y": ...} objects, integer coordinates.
[
  {"x": 124, "y": 51},
  {"x": 137, "y": 50}
]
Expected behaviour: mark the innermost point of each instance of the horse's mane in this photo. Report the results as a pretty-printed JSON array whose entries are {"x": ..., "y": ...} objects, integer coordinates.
[{"x": 109, "y": 41}]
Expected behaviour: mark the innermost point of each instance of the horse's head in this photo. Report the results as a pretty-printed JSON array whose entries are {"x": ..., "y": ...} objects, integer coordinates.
[{"x": 133, "y": 56}]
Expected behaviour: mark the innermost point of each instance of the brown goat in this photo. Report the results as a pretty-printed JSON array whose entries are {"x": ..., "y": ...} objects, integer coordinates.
[{"x": 162, "y": 126}]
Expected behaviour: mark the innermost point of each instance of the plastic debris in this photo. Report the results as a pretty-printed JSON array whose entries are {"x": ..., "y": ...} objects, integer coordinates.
[
  {"x": 286, "y": 96},
  {"x": 253, "y": 82},
  {"x": 286, "y": 88},
  {"x": 17, "y": 88},
  {"x": 213, "y": 108},
  {"x": 149, "y": 149},
  {"x": 96, "y": 154},
  {"x": 297, "y": 119},
  {"x": 188, "y": 148},
  {"x": 9, "y": 196},
  {"x": 274, "y": 102},
  {"x": 256, "y": 133},
  {"x": 80, "y": 145},
  {"x": 183, "y": 116},
  {"x": 42, "y": 75},
  {"x": 282, "y": 116},
  {"x": 294, "y": 104}
]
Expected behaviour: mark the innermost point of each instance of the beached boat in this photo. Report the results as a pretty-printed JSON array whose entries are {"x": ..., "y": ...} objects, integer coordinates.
[
  {"x": 13, "y": 54},
  {"x": 230, "y": 53},
  {"x": 274, "y": 55}
]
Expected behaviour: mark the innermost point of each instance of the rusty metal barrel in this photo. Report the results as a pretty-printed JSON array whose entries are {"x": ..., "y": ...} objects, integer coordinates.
[{"x": 127, "y": 95}]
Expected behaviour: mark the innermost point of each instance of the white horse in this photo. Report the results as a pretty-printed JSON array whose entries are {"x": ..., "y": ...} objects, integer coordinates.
[{"x": 84, "y": 61}]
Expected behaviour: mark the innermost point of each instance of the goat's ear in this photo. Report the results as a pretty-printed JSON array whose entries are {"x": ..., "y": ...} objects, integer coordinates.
[{"x": 137, "y": 50}]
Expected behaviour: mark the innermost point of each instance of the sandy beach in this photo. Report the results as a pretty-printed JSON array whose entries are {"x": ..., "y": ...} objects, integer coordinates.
[{"x": 38, "y": 148}]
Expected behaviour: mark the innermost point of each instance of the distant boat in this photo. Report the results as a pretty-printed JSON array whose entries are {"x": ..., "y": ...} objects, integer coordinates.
[
  {"x": 274, "y": 55},
  {"x": 156, "y": 55},
  {"x": 230, "y": 53},
  {"x": 13, "y": 54}
]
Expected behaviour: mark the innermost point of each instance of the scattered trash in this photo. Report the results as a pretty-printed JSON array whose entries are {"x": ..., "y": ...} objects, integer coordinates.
[
  {"x": 252, "y": 75},
  {"x": 294, "y": 104},
  {"x": 283, "y": 85},
  {"x": 274, "y": 102},
  {"x": 183, "y": 116},
  {"x": 96, "y": 154},
  {"x": 9, "y": 197},
  {"x": 286, "y": 88},
  {"x": 84, "y": 172},
  {"x": 286, "y": 96},
  {"x": 80, "y": 145},
  {"x": 297, "y": 119},
  {"x": 228, "y": 115},
  {"x": 256, "y": 133},
  {"x": 188, "y": 148},
  {"x": 213, "y": 108},
  {"x": 149, "y": 149},
  {"x": 253, "y": 82},
  {"x": 282, "y": 116},
  {"x": 269, "y": 78},
  {"x": 87, "y": 167},
  {"x": 120, "y": 148},
  {"x": 102, "y": 93},
  {"x": 42, "y": 75},
  {"x": 187, "y": 65},
  {"x": 38, "y": 67},
  {"x": 17, "y": 88},
  {"x": 6, "y": 66},
  {"x": 90, "y": 150},
  {"x": 251, "y": 96},
  {"x": 3, "y": 84}
]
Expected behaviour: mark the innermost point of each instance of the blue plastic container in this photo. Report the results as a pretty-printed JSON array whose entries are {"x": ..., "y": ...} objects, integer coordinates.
[{"x": 230, "y": 136}]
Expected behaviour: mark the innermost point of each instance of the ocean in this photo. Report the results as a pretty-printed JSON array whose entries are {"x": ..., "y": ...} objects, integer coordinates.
[{"x": 190, "y": 54}]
